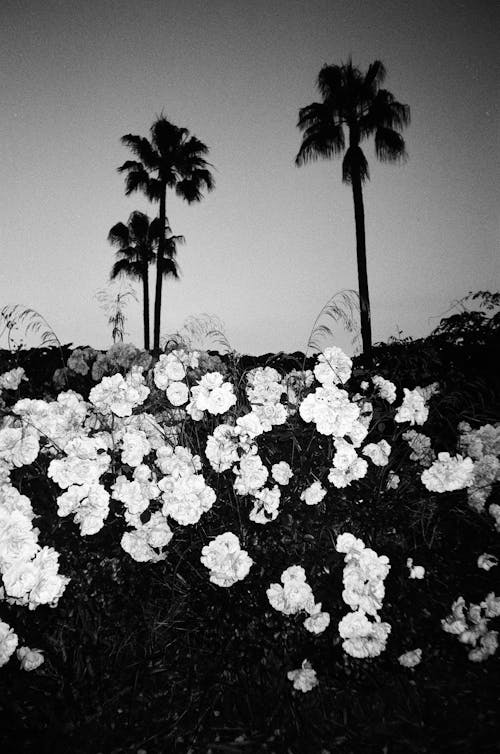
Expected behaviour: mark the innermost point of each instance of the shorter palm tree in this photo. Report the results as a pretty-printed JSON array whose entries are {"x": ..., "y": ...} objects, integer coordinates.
[{"x": 137, "y": 244}]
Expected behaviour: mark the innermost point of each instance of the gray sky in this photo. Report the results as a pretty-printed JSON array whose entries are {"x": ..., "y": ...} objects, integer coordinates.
[{"x": 268, "y": 247}]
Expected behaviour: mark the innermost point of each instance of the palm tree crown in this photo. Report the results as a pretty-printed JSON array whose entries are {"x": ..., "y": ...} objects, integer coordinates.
[
  {"x": 355, "y": 103},
  {"x": 172, "y": 159}
]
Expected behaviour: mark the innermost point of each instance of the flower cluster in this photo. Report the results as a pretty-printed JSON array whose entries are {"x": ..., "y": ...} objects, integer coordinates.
[
  {"x": 347, "y": 465},
  {"x": 448, "y": 473},
  {"x": 333, "y": 413},
  {"x": 483, "y": 446},
  {"x": 420, "y": 445},
  {"x": 12, "y": 379},
  {"x": 264, "y": 390},
  {"x": 30, "y": 573},
  {"x": 295, "y": 596},
  {"x": 384, "y": 388},
  {"x": 118, "y": 395},
  {"x": 413, "y": 408},
  {"x": 211, "y": 394},
  {"x": 364, "y": 590},
  {"x": 225, "y": 559},
  {"x": 471, "y": 626}
]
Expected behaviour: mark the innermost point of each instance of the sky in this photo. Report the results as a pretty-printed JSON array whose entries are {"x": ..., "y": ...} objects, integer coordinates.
[{"x": 272, "y": 243}]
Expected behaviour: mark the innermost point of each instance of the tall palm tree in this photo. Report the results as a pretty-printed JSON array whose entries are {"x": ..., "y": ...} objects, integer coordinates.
[
  {"x": 136, "y": 243},
  {"x": 172, "y": 159},
  {"x": 356, "y": 101}
]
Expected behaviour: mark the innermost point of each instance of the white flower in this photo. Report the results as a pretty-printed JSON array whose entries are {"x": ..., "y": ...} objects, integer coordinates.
[
  {"x": 18, "y": 540},
  {"x": 12, "y": 379},
  {"x": 266, "y": 506},
  {"x": 349, "y": 544},
  {"x": 211, "y": 394},
  {"x": 378, "y": 453},
  {"x": 169, "y": 368},
  {"x": 30, "y": 659},
  {"x": 448, "y": 473},
  {"x": 385, "y": 388},
  {"x": 177, "y": 393},
  {"x": 393, "y": 481},
  {"x": 416, "y": 572},
  {"x": 249, "y": 425},
  {"x": 251, "y": 475},
  {"x": 186, "y": 498},
  {"x": 227, "y": 562},
  {"x": 222, "y": 448},
  {"x": 487, "y": 561},
  {"x": 50, "y": 585},
  {"x": 135, "y": 446},
  {"x": 118, "y": 395},
  {"x": 281, "y": 472},
  {"x": 295, "y": 594},
  {"x": 333, "y": 367},
  {"x": 313, "y": 494},
  {"x": 363, "y": 638},
  {"x": 8, "y": 642},
  {"x": 317, "y": 621},
  {"x": 331, "y": 410},
  {"x": 19, "y": 446},
  {"x": 410, "y": 659},
  {"x": 413, "y": 408},
  {"x": 304, "y": 678}
]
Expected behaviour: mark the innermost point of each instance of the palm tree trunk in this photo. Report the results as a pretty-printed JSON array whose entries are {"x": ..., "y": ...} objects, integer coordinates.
[
  {"x": 364, "y": 299},
  {"x": 159, "y": 276},
  {"x": 145, "y": 304}
]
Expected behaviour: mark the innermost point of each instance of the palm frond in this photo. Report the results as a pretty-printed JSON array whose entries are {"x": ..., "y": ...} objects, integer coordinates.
[
  {"x": 127, "y": 268},
  {"x": 354, "y": 159},
  {"x": 329, "y": 81},
  {"x": 141, "y": 147},
  {"x": 320, "y": 140},
  {"x": 389, "y": 145},
  {"x": 119, "y": 235}
]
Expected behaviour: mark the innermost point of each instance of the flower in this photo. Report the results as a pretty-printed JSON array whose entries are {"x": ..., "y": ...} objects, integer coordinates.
[
  {"x": 227, "y": 562},
  {"x": 30, "y": 659},
  {"x": 378, "y": 452},
  {"x": 448, "y": 473},
  {"x": 416, "y": 572},
  {"x": 317, "y": 621},
  {"x": 177, "y": 393},
  {"x": 385, "y": 388},
  {"x": 331, "y": 410},
  {"x": 281, "y": 472},
  {"x": 8, "y": 642},
  {"x": 313, "y": 494},
  {"x": 363, "y": 638},
  {"x": 487, "y": 561},
  {"x": 393, "y": 481},
  {"x": 295, "y": 594},
  {"x": 333, "y": 367},
  {"x": 12, "y": 379},
  {"x": 304, "y": 678},
  {"x": 410, "y": 659},
  {"x": 413, "y": 408}
]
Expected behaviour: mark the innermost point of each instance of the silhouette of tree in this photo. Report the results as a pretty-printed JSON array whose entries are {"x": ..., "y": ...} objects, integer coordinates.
[
  {"x": 137, "y": 242},
  {"x": 355, "y": 101},
  {"x": 173, "y": 159}
]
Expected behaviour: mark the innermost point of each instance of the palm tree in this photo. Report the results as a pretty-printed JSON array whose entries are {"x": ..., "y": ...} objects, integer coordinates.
[
  {"x": 136, "y": 244},
  {"x": 171, "y": 160},
  {"x": 356, "y": 101}
]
